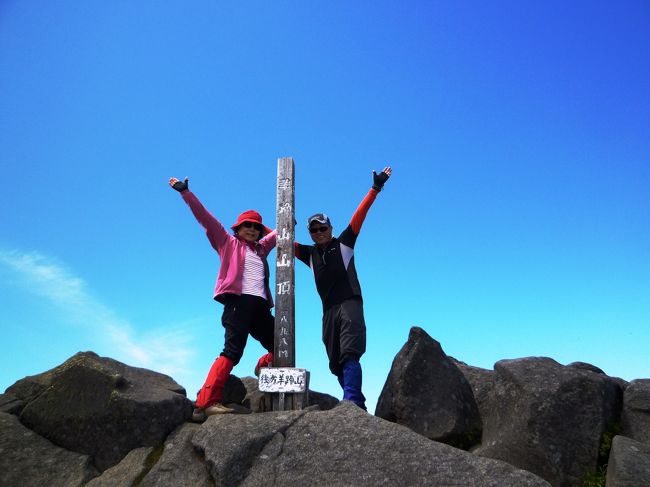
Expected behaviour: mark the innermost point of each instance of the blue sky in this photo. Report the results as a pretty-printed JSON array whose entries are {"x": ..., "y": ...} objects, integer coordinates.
[{"x": 515, "y": 223}]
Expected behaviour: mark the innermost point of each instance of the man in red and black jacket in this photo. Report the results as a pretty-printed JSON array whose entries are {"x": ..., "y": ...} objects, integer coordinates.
[{"x": 332, "y": 261}]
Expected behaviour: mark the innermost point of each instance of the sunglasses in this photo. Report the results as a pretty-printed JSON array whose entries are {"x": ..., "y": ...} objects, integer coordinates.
[
  {"x": 318, "y": 229},
  {"x": 256, "y": 226}
]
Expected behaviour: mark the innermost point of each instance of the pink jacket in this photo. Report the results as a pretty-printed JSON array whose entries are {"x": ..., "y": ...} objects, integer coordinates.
[{"x": 231, "y": 250}]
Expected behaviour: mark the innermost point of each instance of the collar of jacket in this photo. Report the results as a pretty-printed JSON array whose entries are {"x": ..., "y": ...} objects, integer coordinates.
[{"x": 253, "y": 245}]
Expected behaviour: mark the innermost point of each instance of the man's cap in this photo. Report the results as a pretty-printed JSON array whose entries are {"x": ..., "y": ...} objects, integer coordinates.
[
  {"x": 320, "y": 218},
  {"x": 251, "y": 216}
]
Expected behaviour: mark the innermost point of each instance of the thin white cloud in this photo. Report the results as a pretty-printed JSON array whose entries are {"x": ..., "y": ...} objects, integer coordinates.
[{"x": 163, "y": 350}]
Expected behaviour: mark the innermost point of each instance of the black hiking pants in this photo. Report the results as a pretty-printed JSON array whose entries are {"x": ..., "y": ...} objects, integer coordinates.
[
  {"x": 344, "y": 333},
  {"x": 242, "y": 316}
]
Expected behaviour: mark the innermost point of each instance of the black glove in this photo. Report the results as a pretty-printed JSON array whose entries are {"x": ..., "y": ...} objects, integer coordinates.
[
  {"x": 181, "y": 186},
  {"x": 379, "y": 180}
]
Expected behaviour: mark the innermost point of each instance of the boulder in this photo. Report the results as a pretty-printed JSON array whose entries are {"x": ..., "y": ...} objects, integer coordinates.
[
  {"x": 629, "y": 463},
  {"x": 635, "y": 419},
  {"x": 11, "y": 404},
  {"x": 128, "y": 472},
  {"x": 586, "y": 366},
  {"x": 482, "y": 383},
  {"x": 94, "y": 414},
  {"x": 597, "y": 370},
  {"x": 32, "y": 386},
  {"x": 256, "y": 401},
  {"x": 180, "y": 463},
  {"x": 234, "y": 392},
  {"x": 426, "y": 392},
  {"x": 322, "y": 400},
  {"x": 341, "y": 446},
  {"x": 27, "y": 459},
  {"x": 550, "y": 418},
  {"x": 232, "y": 444},
  {"x": 104, "y": 408}
]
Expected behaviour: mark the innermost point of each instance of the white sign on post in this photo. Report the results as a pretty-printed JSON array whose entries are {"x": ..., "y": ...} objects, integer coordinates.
[{"x": 282, "y": 379}]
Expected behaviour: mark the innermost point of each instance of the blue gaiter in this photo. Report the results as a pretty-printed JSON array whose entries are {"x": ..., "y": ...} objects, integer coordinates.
[{"x": 352, "y": 378}]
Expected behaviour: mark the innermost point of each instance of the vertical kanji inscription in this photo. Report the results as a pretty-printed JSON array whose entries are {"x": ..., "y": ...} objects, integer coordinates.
[{"x": 284, "y": 349}]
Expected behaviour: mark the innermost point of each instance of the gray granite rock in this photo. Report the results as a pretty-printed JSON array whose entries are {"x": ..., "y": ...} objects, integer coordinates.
[
  {"x": 482, "y": 383},
  {"x": 635, "y": 420},
  {"x": 11, "y": 404},
  {"x": 342, "y": 446},
  {"x": 180, "y": 463},
  {"x": 586, "y": 366},
  {"x": 234, "y": 391},
  {"x": 256, "y": 401},
  {"x": 426, "y": 392},
  {"x": 629, "y": 463},
  {"x": 597, "y": 370},
  {"x": 539, "y": 415},
  {"x": 322, "y": 400},
  {"x": 550, "y": 418},
  {"x": 32, "y": 386},
  {"x": 128, "y": 472},
  {"x": 231, "y": 443},
  {"x": 27, "y": 459},
  {"x": 104, "y": 408}
]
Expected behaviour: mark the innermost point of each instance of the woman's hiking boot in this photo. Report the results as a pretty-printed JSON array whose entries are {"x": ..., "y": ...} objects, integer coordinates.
[
  {"x": 199, "y": 415},
  {"x": 218, "y": 408}
]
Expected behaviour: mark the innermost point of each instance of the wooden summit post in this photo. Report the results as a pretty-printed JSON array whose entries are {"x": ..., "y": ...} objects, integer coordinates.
[
  {"x": 285, "y": 296},
  {"x": 288, "y": 384}
]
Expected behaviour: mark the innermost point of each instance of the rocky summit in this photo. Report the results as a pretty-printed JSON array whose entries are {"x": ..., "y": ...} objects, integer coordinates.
[{"x": 94, "y": 421}]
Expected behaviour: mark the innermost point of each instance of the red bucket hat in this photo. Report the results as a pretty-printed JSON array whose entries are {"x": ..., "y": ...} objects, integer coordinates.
[{"x": 251, "y": 216}]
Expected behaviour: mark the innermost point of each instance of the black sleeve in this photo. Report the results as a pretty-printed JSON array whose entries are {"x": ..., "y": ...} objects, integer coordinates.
[
  {"x": 348, "y": 237},
  {"x": 303, "y": 252}
]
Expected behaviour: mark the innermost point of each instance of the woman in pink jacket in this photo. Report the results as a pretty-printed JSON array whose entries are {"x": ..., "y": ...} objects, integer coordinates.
[{"x": 242, "y": 287}]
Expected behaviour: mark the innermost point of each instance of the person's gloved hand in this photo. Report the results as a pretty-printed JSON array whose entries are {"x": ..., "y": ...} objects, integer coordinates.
[
  {"x": 379, "y": 179},
  {"x": 179, "y": 186}
]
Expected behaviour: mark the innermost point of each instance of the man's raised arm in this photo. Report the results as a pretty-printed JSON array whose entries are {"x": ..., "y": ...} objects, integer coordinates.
[{"x": 378, "y": 181}]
